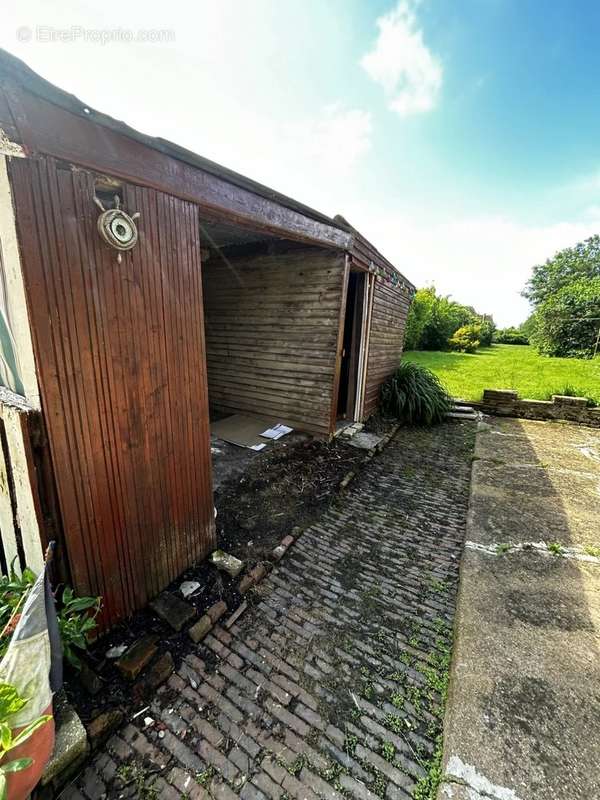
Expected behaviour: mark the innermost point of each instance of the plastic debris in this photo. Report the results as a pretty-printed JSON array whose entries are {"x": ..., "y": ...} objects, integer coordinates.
[
  {"x": 189, "y": 588},
  {"x": 116, "y": 652}
]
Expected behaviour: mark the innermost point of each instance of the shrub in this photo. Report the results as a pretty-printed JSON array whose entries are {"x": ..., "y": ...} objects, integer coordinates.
[
  {"x": 415, "y": 395},
  {"x": 511, "y": 336},
  {"x": 487, "y": 331},
  {"x": 432, "y": 319},
  {"x": 466, "y": 339}
]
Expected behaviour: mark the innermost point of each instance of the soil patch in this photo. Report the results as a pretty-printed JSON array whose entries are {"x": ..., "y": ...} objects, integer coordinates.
[{"x": 286, "y": 487}]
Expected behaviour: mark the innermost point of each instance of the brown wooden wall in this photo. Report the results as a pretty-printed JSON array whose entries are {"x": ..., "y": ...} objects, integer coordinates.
[
  {"x": 121, "y": 364},
  {"x": 388, "y": 321},
  {"x": 388, "y": 318},
  {"x": 271, "y": 334}
]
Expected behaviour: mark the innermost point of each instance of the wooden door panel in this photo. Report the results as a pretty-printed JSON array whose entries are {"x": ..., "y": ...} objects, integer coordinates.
[{"x": 121, "y": 362}]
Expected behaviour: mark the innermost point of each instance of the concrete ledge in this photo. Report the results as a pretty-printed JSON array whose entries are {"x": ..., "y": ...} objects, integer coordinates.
[
  {"x": 70, "y": 747},
  {"x": 507, "y": 403}
]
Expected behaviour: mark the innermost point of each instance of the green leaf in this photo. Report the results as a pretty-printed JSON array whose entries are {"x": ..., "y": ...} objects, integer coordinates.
[
  {"x": 5, "y": 736},
  {"x": 17, "y": 765},
  {"x": 10, "y": 701},
  {"x": 82, "y": 603},
  {"x": 29, "y": 730},
  {"x": 72, "y": 658},
  {"x": 3, "y": 788}
]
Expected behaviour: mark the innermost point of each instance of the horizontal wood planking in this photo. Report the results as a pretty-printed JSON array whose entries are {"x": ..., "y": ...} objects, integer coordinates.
[
  {"x": 271, "y": 334},
  {"x": 388, "y": 322},
  {"x": 121, "y": 361}
]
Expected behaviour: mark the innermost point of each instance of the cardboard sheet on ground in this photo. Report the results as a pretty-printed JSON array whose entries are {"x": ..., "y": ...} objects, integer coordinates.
[{"x": 244, "y": 431}]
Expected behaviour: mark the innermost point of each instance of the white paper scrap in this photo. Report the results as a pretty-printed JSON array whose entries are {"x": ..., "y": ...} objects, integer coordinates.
[
  {"x": 276, "y": 432},
  {"x": 257, "y": 446}
]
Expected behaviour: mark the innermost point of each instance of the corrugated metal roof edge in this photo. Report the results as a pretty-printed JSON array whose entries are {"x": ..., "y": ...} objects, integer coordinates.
[{"x": 35, "y": 84}]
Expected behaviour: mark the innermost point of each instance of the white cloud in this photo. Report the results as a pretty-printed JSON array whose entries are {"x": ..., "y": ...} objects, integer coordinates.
[
  {"x": 482, "y": 261},
  {"x": 402, "y": 64},
  {"x": 335, "y": 140}
]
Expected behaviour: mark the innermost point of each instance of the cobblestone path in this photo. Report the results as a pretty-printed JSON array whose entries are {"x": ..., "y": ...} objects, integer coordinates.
[{"x": 331, "y": 684}]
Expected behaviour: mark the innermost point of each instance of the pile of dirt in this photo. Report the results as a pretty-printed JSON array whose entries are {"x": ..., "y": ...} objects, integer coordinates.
[{"x": 284, "y": 488}]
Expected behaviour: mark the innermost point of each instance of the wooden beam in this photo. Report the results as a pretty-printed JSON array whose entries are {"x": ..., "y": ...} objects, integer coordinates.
[
  {"x": 339, "y": 346},
  {"x": 45, "y": 128}
]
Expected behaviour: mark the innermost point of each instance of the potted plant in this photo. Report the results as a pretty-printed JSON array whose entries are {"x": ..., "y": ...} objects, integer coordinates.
[{"x": 33, "y": 640}]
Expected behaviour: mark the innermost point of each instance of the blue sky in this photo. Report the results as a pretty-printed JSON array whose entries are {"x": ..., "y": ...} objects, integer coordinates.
[{"x": 461, "y": 137}]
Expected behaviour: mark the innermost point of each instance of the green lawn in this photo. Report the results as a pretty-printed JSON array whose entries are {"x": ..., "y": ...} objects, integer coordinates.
[{"x": 506, "y": 366}]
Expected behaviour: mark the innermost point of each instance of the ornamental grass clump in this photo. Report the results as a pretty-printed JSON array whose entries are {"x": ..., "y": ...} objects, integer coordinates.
[{"x": 415, "y": 395}]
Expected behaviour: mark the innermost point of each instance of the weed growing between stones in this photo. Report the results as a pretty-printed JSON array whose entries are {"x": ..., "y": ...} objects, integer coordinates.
[
  {"x": 205, "y": 777},
  {"x": 350, "y": 743},
  {"x": 139, "y": 778},
  {"x": 437, "y": 675},
  {"x": 592, "y": 551},
  {"x": 502, "y": 547},
  {"x": 556, "y": 548},
  {"x": 388, "y": 751},
  {"x": 438, "y": 586}
]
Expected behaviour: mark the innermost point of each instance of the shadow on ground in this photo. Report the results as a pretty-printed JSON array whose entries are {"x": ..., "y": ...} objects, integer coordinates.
[{"x": 524, "y": 711}]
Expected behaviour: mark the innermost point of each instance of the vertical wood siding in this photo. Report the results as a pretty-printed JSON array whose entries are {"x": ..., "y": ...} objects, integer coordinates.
[
  {"x": 271, "y": 334},
  {"x": 121, "y": 364}
]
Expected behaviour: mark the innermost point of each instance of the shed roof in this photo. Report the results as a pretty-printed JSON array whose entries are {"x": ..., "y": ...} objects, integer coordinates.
[
  {"x": 19, "y": 73},
  {"x": 29, "y": 80}
]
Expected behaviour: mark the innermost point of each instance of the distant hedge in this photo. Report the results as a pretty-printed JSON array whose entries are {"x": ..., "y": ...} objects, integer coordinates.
[{"x": 511, "y": 336}]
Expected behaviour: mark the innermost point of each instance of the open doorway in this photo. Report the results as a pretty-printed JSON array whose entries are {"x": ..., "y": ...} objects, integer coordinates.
[{"x": 353, "y": 350}]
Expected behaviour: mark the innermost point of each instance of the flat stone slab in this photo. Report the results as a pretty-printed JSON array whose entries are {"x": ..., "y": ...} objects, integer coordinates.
[
  {"x": 173, "y": 610},
  {"x": 526, "y": 665},
  {"x": 365, "y": 440},
  {"x": 530, "y": 488}
]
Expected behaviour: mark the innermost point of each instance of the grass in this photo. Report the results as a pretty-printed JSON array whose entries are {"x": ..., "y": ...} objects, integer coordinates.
[{"x": 506, "y": 366}]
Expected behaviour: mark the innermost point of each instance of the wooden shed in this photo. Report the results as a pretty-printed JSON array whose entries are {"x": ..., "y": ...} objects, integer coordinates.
[{"x": 118, "y": 334}]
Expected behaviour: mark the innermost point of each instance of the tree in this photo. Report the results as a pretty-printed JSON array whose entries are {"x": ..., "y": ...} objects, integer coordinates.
[
  {"x": 567, "y": 266},
  {"x": 419, "y": 315},
  {"x": 567, "y": 322}
]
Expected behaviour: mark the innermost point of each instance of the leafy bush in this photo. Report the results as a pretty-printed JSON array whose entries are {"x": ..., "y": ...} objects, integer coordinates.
[
  {"x": 10, "y": 703},
  {"x": 433, "y": 319},
  {"x": 76, "y": 615},
  {"x": 487, "y": 329},
  {"x": 567, "y": 321},
  {"x": 415, "y": 395},
  {"x": 511, "y": 336},
  {"x": 466, "y": 339}
]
